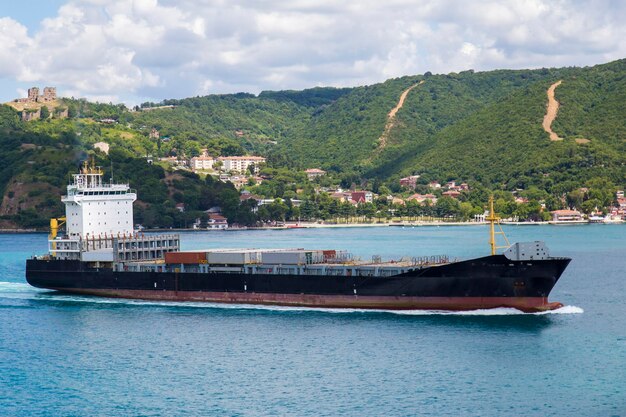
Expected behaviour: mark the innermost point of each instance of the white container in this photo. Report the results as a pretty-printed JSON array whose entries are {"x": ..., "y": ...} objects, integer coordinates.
[
  {"x": 232, "y": 258},
  {"x": 303, "y": 257}
]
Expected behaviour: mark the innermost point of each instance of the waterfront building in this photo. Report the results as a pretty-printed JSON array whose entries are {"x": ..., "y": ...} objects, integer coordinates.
[{"x": 566, "y": 215}]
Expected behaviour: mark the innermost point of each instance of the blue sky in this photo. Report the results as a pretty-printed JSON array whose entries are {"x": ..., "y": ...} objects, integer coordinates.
[
  {"x": 32, "y": 12},
  {"x": 138, "y": 50}
]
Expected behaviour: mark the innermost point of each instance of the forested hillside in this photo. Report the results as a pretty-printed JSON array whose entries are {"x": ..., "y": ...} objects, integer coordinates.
[
  {"x": 484, "y": 128},
  {"x": 503, "y": 143},
  {"x": 476, "y": 126},
  {"x": 38, "y": 158},
  {"x": 254, "y": 124}
]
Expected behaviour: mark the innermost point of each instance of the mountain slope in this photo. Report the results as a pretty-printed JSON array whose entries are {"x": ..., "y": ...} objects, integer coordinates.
[
  {"x": 484, "y": 126},
  {"x": 504, "y": 143}
]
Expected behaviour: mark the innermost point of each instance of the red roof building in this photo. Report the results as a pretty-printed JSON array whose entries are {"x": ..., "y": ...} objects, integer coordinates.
[
  {"x": 217, "y": 221},
  {"x": 566, "y": 215},
  {"x": 361, "y": 197}
]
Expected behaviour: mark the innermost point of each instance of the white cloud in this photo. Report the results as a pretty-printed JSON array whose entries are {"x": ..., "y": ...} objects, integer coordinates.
[{"x": 153, "y": 49}]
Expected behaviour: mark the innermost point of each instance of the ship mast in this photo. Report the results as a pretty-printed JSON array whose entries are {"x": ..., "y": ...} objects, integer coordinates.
[{"x": 493, "y": 219}]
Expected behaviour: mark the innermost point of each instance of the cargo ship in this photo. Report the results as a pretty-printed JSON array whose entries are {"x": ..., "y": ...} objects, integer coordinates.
[{"x": 100, "y": 254}]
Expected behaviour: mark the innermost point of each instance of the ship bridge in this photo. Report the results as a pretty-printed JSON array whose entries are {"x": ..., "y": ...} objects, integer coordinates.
[
  {"x": 95, "y": 209},
  {"x": 99, "y": 223}
]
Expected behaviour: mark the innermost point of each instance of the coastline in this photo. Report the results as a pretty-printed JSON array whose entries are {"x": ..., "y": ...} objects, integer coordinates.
[
  {"x": 21, "y": 231},
  {"x": 316, "y": 225}
]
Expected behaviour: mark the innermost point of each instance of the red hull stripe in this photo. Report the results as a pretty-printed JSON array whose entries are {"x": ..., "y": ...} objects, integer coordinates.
[{"x": 526, "y": 304}]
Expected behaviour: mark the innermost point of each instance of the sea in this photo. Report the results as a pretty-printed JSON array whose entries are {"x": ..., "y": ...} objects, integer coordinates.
[{"x": 66, "y": 355}]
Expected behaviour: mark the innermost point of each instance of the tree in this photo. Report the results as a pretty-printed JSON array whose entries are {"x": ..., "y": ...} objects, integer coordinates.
[
  {"x": 369, "y": 210},
  {"x": 575, "y": 198},
  {"x": 447, "y": 206},
  {"x": 45, "y": 112},
  {"x": 591, "y": 205},
  {"x": 308, "y": 210},
  {"x": 465, "y": 210},
  {"x": 277, "y": 210},
  {"x": 72, "y": 111}
]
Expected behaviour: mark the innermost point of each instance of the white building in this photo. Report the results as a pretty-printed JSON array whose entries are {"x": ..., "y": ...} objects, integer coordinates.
[
  {"x": 201, "y": 163},
  {"x": 217, "y": 221},
  {"x": 240, "y": 163}
]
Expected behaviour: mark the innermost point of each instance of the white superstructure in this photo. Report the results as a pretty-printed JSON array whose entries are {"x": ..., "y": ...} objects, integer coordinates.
[
  {"x": 97, "y": 209},
  {"x": 99, "y": 224}
]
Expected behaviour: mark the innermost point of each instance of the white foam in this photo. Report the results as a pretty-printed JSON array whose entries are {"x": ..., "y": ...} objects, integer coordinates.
[
  {"x": 502, "y": 311},
  {"x": 13, "y": 287},
  {"x": 565, "y": 310}
]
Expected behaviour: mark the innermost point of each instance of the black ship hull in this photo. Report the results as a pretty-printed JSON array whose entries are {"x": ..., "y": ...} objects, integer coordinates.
[{"x": 488, "y": 282}]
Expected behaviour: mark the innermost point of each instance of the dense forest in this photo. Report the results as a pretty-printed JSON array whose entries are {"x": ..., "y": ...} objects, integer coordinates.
[{"x": 483, "y": 128}]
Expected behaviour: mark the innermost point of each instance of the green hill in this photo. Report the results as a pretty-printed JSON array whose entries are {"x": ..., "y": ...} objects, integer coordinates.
[
  {"x": 503, "y": 143},
  {"x": 481, "y": 127}
]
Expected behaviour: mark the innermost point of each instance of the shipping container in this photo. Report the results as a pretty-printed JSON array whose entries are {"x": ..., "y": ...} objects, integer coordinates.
[
  {"x": 233, "y": 258},
  {"x": 329, "y": 255},
  {"x": 303, "y": 257},
  {"x": 185, "y": 258}
]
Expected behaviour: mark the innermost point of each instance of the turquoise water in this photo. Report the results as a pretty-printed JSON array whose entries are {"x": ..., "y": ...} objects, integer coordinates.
[{"x": 64, "y": 355}]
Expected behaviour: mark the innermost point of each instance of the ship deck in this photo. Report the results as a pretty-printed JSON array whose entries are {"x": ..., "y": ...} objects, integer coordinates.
[{"x": 350, "y": 268}]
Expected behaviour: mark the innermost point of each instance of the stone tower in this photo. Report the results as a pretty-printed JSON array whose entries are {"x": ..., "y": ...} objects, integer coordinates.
[{"x": 33, "y": 93}]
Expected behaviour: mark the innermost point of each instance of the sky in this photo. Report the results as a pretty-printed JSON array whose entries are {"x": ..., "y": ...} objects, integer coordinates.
[{"x": 133, "y": 51}]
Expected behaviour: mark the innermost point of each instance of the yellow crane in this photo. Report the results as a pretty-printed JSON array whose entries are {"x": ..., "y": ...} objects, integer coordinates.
[
  {"x": 493, "y": 219},
  {"x": 54, "y": 226},
  {"x": 54, "y": 230}
]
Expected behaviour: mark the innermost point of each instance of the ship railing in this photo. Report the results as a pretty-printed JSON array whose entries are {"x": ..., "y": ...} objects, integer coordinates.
[
  {"x": 339, "y": 258},
  {"x": 430, "y": 260}
]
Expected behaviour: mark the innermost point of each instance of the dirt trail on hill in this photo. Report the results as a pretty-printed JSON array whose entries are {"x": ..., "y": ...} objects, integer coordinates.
[
  {"x": 551, "y": 112},
  {"x": 391, "y": 116}
]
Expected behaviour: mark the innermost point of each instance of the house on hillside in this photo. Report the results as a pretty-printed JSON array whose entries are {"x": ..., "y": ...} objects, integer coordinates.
[
  {"x": 409, "y": 182},
  {"x": 421, "y": 198},
  {"x": 521, "y": 200},
  {"x": 452, "y": 193},
  {"x": 341, "y": 196},
  {"x": 247, "y": 195},
  {"x": 313, "y": 173},
  {"x": 395, "y": 200},
  {"x": 361, "y": 197},
  {"x": 238, "y": 180}
]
